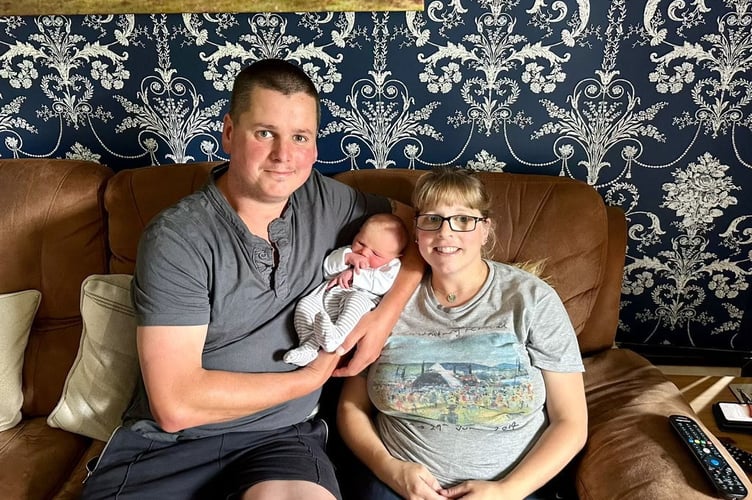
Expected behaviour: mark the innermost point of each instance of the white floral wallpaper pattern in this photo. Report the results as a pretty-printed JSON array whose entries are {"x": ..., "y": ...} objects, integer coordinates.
[{"x": 647, "y": 101}]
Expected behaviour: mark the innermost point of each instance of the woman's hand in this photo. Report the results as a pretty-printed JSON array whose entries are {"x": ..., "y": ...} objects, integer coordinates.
[
  {"x": 412, "y": 481},
  {"x": 480, "y": 490}
]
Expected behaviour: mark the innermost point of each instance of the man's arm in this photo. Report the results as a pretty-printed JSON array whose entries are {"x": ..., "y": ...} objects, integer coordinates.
[
  {"x": 183, "y": 394},
  {"x": 374, "y": 327}
]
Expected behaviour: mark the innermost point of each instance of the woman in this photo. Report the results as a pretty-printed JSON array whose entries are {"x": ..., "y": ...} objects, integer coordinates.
[{"x": 478, "y": 392}]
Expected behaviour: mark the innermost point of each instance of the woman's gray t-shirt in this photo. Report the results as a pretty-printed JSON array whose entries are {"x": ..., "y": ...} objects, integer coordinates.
[{"x": 460, "y": 389}]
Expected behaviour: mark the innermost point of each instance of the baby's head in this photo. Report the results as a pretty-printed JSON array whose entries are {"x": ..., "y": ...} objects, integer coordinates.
[{"x": 381, "y": 238}]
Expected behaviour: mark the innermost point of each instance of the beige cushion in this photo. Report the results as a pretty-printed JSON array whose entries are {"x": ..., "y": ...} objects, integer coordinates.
[
  {"x": 17, "y": 311},
  {"x": 101, "y": 381}
]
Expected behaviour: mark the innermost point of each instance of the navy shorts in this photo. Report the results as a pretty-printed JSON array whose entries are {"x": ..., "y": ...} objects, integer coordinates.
[
  {"x": 215, "y": 467},
  {"x": 361, "y": 484}
]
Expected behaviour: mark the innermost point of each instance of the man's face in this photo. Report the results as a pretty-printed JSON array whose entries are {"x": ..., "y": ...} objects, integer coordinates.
[{"x": 272, "y": 145}]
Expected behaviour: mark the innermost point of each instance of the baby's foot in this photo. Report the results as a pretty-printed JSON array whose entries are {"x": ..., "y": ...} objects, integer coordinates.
[{"x": 301, "y": 356}]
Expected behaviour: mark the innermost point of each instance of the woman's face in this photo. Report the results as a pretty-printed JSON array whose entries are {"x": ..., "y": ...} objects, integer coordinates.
[{"x": 448, "y": 252}]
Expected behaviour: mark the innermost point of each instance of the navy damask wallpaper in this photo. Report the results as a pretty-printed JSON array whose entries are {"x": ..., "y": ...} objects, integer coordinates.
[{"x": 647, "y": 101}]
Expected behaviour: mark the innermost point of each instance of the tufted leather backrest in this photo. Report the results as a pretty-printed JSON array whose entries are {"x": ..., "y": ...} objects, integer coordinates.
[
  {"x": 561, "y": 220},
  {"x": 52, "y": 236},
  {"x": 134, "y": 196}
]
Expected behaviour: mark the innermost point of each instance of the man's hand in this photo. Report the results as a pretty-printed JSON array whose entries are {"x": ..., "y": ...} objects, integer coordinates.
[
  {"x": 370, "y": 335},
  {"x": 322, "y": 366}
]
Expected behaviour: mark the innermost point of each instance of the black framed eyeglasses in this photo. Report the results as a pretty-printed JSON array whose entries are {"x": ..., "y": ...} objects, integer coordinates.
[{"x": 458, "y": 223}]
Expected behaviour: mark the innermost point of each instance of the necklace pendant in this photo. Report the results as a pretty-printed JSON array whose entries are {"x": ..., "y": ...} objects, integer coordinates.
[{"x": 451, "y": 297}]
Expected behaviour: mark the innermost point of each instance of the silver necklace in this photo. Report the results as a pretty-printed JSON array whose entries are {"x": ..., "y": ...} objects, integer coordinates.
[{"x": 449, "y": 296}]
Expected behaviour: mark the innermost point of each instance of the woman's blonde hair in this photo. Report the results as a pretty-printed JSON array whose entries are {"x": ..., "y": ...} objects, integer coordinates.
[{"x": 459, "y": 186}]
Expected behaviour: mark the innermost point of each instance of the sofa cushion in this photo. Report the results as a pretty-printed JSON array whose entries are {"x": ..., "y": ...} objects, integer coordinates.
[
  {"x": 36, "y": 459},
  {"x": 17, "y": 311},
  {"x": 104, "y": 373}
]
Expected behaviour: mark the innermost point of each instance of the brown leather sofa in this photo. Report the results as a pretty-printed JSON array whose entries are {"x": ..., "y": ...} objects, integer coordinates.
[{"x": 62, "y": 220}]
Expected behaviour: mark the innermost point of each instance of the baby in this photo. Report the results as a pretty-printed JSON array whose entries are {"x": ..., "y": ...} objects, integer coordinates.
[{"x": 357, "y": 276}]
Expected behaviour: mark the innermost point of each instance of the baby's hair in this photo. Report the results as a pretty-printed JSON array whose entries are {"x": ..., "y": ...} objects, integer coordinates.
[
  {"x": 462, "y": 186},
  {"x": 391, "y": 223}
]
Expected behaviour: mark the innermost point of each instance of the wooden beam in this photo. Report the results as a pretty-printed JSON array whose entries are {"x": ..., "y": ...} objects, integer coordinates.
[{"x": 77, "y": 7}]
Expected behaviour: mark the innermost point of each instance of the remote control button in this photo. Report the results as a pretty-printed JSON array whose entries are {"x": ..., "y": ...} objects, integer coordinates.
[{"x": 713, "y": 461}]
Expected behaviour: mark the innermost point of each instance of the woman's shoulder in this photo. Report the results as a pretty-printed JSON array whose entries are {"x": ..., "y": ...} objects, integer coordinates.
[
  {"x": 521, "y": 274},
  {"x": 516, "y": 269}
]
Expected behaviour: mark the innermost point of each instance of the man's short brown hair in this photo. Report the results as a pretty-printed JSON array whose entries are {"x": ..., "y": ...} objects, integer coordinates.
[{"x": 275, "y": 74}]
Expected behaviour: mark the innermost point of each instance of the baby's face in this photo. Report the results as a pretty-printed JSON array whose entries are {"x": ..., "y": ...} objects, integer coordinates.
[{"x": 379, "y": 247}]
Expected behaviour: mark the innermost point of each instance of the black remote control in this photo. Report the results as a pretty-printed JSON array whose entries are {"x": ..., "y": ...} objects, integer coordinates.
[
  {"x": 720, "y": 473},
  {"x": 742, "y": 457}
]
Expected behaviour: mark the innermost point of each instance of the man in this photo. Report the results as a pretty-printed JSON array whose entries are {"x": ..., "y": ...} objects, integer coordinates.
[{"x": 219, "y": 414}]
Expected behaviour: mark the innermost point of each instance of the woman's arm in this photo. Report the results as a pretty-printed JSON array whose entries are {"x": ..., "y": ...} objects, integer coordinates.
[
  {"x": 374, "y": 327},
  {"x": 560, "y": 442},
  {"x": 358, "y": 431}
]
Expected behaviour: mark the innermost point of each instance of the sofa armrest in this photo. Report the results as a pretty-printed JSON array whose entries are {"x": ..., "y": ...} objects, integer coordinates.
[{"x": 632, "y": 452}]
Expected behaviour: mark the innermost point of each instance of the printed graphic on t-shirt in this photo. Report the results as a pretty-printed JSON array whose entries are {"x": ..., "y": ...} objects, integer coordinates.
[{"x": 476, "y": 380}]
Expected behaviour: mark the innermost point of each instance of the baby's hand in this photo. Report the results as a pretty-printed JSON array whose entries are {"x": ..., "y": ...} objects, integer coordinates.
[
  {"x": 357, "y": 261},
  {"x": 343, "y": 279}
]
